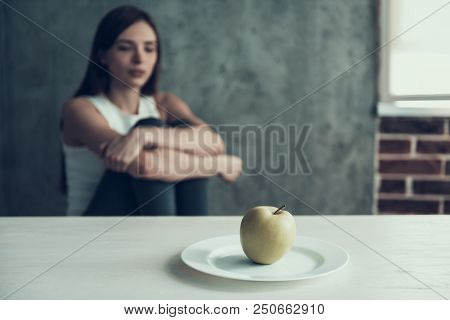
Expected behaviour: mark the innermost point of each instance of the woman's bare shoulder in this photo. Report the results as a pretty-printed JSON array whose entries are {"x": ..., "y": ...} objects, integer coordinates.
[
  {"x": 177, "y": 109},
  {"x": 79, "y": 107},
  {"x": 78, "y": 112},
  {"x": 168, "y": 97},
  {"x": 162, "y": 98},
  {"x": 77, "y": 103},
  {"x": 73, "y": 111}
]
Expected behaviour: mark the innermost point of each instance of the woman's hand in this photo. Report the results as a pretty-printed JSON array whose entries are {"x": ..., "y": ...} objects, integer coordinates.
[
  {"x": 120, "y": 152},
  {"x": 229, "y": 167}
]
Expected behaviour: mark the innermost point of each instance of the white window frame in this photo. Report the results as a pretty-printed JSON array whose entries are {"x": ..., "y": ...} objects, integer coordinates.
[{"x": 404, "y": 105}]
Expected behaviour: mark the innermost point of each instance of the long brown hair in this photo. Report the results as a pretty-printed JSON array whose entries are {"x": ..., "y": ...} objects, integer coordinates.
[{"x": 96, "y": 79}]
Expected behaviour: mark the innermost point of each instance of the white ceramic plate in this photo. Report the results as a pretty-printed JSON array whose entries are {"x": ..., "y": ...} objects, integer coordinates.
[{"x": 224, "y": 257}]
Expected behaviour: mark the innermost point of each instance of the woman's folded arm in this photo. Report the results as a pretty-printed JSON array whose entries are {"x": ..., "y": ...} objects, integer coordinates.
[
  {"x": 171, "y": 165},
  {"x": 195, "y": 136},
  {"x": 198, "y": 139}
]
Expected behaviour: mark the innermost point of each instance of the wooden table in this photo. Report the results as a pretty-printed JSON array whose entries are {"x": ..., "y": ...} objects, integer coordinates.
[{"x": 139, "y": 258}]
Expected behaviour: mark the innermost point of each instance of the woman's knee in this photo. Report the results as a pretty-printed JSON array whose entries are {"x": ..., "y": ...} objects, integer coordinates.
[
  {"x": 178, "y": 123},
  {"x": 185, "y": 123},
  {"x": 149, "y": 122}
]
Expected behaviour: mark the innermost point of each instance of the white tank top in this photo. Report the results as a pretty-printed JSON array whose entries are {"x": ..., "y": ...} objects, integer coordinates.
[{"x": 84, "y": 168}]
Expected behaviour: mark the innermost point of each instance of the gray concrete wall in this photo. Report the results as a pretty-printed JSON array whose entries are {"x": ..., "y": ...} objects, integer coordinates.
[{"x": 234, "y": 62}]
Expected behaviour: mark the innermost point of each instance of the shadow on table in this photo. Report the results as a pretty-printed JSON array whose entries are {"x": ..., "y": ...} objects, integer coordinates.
[{"x": 176, "y": 267}]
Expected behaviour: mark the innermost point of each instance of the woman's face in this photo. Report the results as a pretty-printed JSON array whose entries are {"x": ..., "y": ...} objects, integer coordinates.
[{"x": 132, "y": 56}]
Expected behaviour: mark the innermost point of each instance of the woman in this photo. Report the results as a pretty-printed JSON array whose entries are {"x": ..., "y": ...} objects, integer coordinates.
[{"x": 125, "y": 143}]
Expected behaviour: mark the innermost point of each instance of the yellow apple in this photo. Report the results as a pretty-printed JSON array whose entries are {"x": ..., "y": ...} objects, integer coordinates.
[{"x": 267, "y": 233}]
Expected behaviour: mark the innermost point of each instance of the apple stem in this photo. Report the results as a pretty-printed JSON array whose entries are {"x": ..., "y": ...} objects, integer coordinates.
[{"x": 279, "y": 209}]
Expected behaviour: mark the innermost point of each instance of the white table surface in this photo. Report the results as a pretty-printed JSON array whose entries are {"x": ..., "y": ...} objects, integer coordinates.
[{"x": 139, "y": 258}]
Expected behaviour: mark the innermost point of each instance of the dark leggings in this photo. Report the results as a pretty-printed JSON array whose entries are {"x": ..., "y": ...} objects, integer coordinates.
[{"x": 119, "y": 194}]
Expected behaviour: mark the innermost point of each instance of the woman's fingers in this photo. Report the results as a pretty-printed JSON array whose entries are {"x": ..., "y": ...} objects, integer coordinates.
[
  {"x": 231, "y": 167},
  {"x": 121, "y": 152}
]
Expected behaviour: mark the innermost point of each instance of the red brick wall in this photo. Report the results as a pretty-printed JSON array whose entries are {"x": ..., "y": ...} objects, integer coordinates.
[{"x": 412, "y": 166}]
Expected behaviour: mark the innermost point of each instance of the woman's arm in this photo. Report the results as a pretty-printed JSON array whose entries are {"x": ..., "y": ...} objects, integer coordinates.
[
  {"x": 171, "y": 165},
  {"x": 197, "y": 137},
  {"x": 83, "y": 125},
  {"x": 199, "y": 140},
  {"x": 173, "y": 108}
]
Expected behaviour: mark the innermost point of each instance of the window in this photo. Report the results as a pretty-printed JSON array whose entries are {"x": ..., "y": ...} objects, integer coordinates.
[{"x": 415, "y": 62}]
